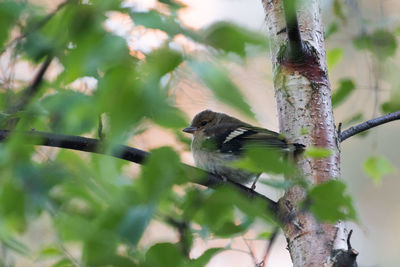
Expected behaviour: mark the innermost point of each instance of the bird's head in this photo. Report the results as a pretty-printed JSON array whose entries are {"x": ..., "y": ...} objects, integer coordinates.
[{"x": 202, "y": 121}]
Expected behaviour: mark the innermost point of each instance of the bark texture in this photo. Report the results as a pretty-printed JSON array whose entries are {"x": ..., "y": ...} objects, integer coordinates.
[{"x": 303, "y": 97}]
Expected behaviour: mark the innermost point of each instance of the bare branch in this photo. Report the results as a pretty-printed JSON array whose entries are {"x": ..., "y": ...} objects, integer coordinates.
[
  {"x": 369, "y": 124},
  {"x": 269, "y": 246},
  {"x": 28, "y": 93},
  {"x": 127, "y": 153}
]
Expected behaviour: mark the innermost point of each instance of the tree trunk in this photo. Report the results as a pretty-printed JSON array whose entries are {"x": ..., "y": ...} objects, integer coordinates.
[{"x": 303, "y": 98}]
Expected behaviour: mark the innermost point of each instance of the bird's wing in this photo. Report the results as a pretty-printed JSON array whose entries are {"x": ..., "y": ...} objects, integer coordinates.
[{"x": 234, "y": 139}]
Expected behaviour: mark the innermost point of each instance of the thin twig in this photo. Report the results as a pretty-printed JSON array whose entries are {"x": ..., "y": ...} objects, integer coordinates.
[
  {"x": 269, "y": 246},
  {"x": 253, "y": 256},
  {"x": 29, "y": 92},
  {"x": 35, "y": 85},
  {"x": 130, "y": 154},
  {"x": 369, "y": 124}
]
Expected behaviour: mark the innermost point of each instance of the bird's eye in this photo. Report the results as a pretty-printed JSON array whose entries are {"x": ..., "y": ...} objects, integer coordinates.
[{"x": 203, "y": 123}]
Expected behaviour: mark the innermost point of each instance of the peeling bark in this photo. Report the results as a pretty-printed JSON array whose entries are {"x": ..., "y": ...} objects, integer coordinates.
[{"x": 303, "y": 97}]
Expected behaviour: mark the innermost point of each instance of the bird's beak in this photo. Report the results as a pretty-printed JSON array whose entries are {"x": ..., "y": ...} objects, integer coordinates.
[{"x": 189, "y": 129}]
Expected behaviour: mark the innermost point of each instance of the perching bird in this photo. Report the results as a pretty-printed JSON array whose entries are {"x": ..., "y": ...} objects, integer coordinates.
[{"x": 219, "y": 139}]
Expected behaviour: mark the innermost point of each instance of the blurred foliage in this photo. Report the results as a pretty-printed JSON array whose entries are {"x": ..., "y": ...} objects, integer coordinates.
[
  {"x": 376, "y": 167},
  {"x": 318, "y": 152},
  {"x": 329, "y": 202},
  {"x": 89, "y": 199},
  {"x": 381, "y": 43},
  {"x": 346, "y": 87},
  {"x": 333, "y": 57}
]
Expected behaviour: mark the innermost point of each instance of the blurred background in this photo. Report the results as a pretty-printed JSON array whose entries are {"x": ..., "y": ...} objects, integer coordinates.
[{"x": 376, "y": 81}]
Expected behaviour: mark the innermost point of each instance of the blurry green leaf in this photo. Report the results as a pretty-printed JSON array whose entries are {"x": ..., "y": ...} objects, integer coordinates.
[
  {"x": 168, "y": 116},
  {"x": 376, "y": 167},
  {"x": 204, "y": 258},
  {"x": 135, "y": 222},
  {"x": 161, "y": 171},
  {"x": 169, "y": 24},
  {"x": 381, "y": 43},
  {"x": 331, "y": 29},
  {"x": 50, "y": 252},
  {"x": 91, "y": 54},
  {"x": 64, "y": 263},
  {"x": 329, "y": 202},
  {"x": 220, "y": 83},
  {"x": 232, "y": 38},
  {"x": 333, "y": 57},
  {"x": 12, "y": 205},
  {"x": 163, "y": 60},
  {"x": 164, "y": 254},
  {"x": 346, "y": 87},
  {"x": 215, "y": 210},
  {"x": 259, "y": 160},
  {"x": 318, "y": 152},
  {"x": 9, "y": 13},
  {"x": 392, "y": 105},
  {"x": 71, "y": 112},
  {"x": 338, "y": 11},
  {"x": 265, "y": 235},
  {"x": 173, "y": 4}
]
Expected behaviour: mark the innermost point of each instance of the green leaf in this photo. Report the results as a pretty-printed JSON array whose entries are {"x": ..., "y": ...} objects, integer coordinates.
[
  {"x": 338, "y": 11},
  {"x": 333, "y": 57},
  {"x": 50, "y": 252},
  {"x": 382, "y": 43},
  {"x": 174, "y": 5},
  {"x": 71, "y": 112},
  {"x": 331, "y": 29},
  {"x": 262, "y": 160},
  {"x": 376, "y": 167},
  {"x": 346, "y": 87},
  {"x": 9, "y": 13},
  {"x": 318, "y": 152},
  {"x": 265, "y": 235},
  {"x": 164, "y": 254},
  {"x": 232, "y": 38},
  {"x": 64, "y": 263},
  {"x": 220, "y": 83},
  {"x": 161, "y": 171},
  {"x": 329, "y": 202},
  {"x": 204, "y": 258},
  {"x": 135, "y": 222},
  {"x": 162, "y": 61},
  {"x": 169, "y": 24}
]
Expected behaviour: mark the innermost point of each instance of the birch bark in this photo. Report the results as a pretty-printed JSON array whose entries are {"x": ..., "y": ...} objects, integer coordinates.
[{"x": 303, "y": 97}]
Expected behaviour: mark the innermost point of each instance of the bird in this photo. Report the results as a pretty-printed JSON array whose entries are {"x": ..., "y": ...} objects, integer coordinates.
[{"x": 219, "y": 139}]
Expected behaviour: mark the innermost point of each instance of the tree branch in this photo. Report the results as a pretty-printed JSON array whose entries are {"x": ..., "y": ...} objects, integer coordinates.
[
  {"x": 292, "y": 29},
  {"x": 368, "y": 125},
  {"x": 127, "y": 153},
  {"x": 28, "y": 93}
]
